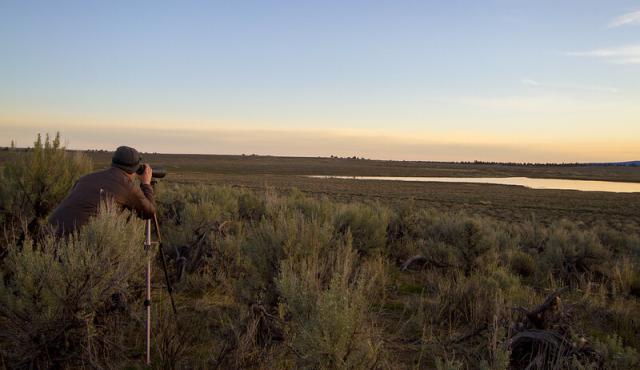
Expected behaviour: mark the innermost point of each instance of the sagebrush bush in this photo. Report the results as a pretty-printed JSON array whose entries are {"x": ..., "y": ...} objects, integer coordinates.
[
  {"x": 522, "y": 263},
  {"x": 190, "y": 211},
  {"x": 35, "y": 181},
  {"x": 59, "y": 299},
  {"x": 531, "y": 235},
  {"x": 368, "y": 225},
  {"x": 622, "y": 242},
  {"x": 326, "y": 300},
  {"x": 296, "y": 201},
  {"x": 616, "y": 355},
  {"x": 473, "y": 301},
  {"x": 455, "y": 241},
  {"x": 250, "y": 206},
  {"x": 570, "y": 252},
  {"x": 285, "y": 234}
]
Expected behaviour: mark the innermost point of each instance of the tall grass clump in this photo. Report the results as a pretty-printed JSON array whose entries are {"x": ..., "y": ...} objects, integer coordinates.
[{"x": 63, "y": 301}]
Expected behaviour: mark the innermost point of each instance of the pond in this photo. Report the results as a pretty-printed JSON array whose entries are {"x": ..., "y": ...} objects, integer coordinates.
[{"x": 533, "y": 183}]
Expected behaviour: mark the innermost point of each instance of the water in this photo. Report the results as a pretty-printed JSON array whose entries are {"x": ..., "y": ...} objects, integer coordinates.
[{"x": 533, "y": 183}]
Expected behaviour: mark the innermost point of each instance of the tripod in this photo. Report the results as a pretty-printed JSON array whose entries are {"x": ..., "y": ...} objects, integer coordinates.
[{"x": 148, "y": 243}]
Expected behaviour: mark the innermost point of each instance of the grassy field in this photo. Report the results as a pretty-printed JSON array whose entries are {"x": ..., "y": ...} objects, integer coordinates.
[
  {"x": 500, "y": 201},
  {"x": 267, "y": 165},
  {"x": 511, "y": 203}
]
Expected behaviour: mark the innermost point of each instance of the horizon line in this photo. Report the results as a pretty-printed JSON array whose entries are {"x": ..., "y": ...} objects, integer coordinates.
[{"x": 470, "y": 161}]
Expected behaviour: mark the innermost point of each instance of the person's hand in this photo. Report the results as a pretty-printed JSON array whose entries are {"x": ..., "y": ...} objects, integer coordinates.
[{"x": 145, "y": 178}]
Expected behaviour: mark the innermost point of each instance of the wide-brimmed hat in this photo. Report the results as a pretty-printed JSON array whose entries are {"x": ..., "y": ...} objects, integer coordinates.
[{"x": 126, "y": 158}]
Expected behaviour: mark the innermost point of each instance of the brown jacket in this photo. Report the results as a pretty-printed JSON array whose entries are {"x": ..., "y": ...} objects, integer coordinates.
[{"x": 84, "y": 199}]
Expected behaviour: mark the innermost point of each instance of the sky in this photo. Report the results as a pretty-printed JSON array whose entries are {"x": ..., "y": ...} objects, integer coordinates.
[{"x": 498, "y": 80}]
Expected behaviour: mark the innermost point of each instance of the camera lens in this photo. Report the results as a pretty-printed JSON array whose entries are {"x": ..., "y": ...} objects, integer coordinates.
[{"x": 159, "y": 172}]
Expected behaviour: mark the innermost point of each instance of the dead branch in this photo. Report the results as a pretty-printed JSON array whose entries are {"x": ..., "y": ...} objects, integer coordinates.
[
  {"x": 536, "y": 315},
  {"x": 545, "y": 338},
  {"x": 417, "y": 259},
  {"x": 422, "y": 261}
]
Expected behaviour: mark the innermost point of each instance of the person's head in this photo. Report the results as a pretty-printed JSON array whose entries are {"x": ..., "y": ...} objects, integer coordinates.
[{"x": 127, "y": 159}]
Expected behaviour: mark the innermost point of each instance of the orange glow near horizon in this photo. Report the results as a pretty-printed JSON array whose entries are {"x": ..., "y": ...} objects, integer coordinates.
[{"x": 190, "y": 138}]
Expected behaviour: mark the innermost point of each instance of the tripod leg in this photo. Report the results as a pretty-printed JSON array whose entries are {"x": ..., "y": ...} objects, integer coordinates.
[
  {"x": 166, "y": 277},
  {"x": 147, "y": 302},
  {"x": 164, "y": 266}
]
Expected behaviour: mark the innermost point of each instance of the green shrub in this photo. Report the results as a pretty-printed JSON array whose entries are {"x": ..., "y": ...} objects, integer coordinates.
[
  {"x": 616, "y": 355},
  {"x": 367, "y": 224},
  {"x": 625, "y": 277},
  {"x": 287, "y": 235},
  {"x": 522, "y": 263},
  {"x": 319, "y": 209},
  {"x": 458, "y": 241},
  {"x": 620, "y": 242},
  {"x": 327, "y": 299},
  {"x": 531, "y": 235},
  {"x": 251, "y": 206},
  {"x": 190, "y": 212},
  {"x": 411, "y": 223},
  {"x": 34, "y": 182},
  {"x": 57, "y": 298},
  {"x": 571, "y": 252},
  {"x": 474, "y": 301},
  {"x": 602, "y": 314}
]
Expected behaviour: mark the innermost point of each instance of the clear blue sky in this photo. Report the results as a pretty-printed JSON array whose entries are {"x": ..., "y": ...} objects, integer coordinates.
[{"x": 496, "y": 80}]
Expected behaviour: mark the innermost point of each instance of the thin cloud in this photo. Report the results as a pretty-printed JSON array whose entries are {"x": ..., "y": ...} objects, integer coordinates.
[
  {"x": 569, "y": 86},
  {"x": 530, "y": 82},
  {"x": 628, "y": 19},
  {"x": 554, "y": 104},
  {"x": 620, "y": 55}
]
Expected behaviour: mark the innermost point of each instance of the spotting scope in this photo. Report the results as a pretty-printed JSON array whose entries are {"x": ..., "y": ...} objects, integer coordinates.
[{"x": 158, "y": 172}]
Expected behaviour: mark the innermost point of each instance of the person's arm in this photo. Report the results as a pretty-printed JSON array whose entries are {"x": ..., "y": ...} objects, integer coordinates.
[{"x": 141, "y": 199}]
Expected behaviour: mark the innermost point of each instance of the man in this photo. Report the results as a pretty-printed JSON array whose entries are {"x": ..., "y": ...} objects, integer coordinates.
[{"x": 116, "y": 183}]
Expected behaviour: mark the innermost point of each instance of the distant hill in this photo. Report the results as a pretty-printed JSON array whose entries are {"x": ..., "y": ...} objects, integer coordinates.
[{"x": 622, "y": 164}]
